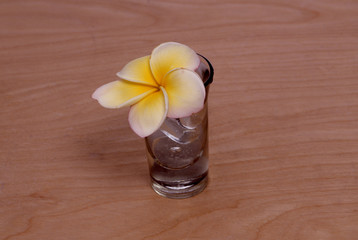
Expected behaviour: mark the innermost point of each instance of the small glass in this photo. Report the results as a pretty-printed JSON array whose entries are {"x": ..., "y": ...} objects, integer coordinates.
[{"x": 177, "y": 152}]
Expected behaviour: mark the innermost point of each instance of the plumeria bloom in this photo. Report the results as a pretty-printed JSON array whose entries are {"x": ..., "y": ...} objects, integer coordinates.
[{"x": 161, "y": 85}]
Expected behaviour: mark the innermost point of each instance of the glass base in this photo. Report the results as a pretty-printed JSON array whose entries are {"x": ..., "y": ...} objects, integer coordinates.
[{"x": 179, "y": 191}]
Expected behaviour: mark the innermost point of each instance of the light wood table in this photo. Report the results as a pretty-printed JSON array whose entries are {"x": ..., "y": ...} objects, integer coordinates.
[{"x": 283, "y": 120}]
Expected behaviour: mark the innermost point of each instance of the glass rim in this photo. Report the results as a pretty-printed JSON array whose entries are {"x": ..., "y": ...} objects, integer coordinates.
[{"x": 211, "y": 73}]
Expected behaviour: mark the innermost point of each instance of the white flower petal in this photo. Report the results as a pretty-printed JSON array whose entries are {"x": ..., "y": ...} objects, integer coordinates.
[
  {"x": 186, "y": 92},
  {"x": 147, "y": 116},
  {"x": 171, "y": 55}
]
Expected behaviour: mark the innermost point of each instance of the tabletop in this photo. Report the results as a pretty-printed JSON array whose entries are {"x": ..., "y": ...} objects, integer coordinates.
[{"x": 283, "y": 120}]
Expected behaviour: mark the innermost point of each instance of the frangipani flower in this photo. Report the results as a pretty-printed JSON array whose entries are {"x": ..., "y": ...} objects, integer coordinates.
[{"x": 161, "y": 85}]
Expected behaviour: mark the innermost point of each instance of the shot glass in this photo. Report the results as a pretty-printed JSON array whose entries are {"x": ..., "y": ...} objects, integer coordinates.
[{"x": 177, "y": 153}]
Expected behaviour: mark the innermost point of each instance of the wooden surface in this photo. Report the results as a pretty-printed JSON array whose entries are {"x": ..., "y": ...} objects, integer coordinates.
[{"x": 283, "y": 120}]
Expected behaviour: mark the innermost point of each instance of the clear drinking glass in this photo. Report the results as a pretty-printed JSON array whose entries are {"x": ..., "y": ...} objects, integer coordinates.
[{"x": 177, "y": 152}]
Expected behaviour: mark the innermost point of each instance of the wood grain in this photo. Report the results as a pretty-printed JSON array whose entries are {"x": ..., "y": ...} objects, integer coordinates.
[{"x": 283, "y": 120}]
